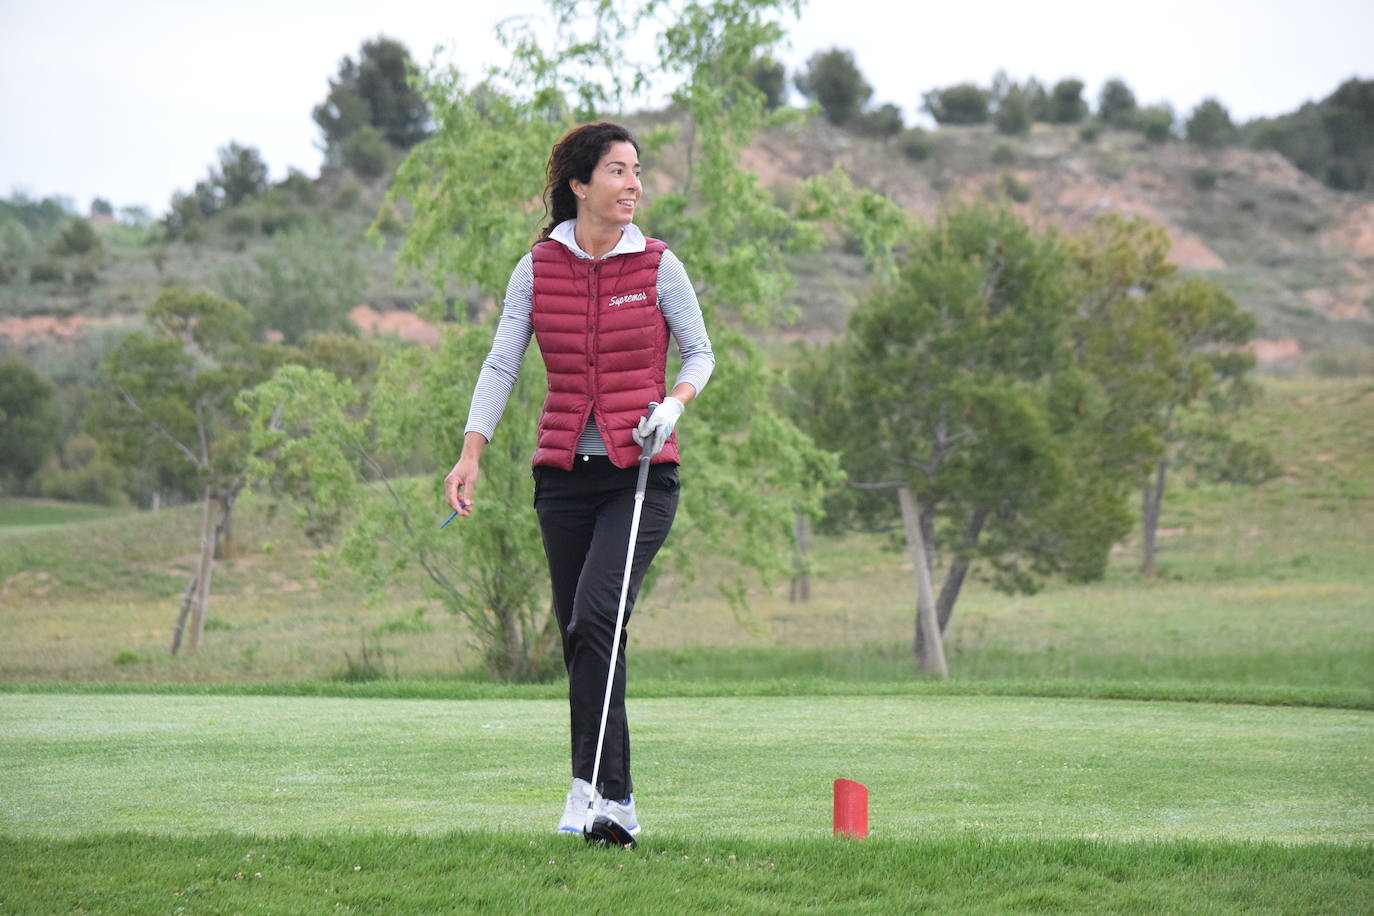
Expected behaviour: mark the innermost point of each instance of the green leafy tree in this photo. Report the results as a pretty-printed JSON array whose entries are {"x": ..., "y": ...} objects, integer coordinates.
[
  {"x": 471, "y": 224},
  {"x": 1210, "y": 125},
  {"x": 965, "y": 103},
  {"x": 1331, "y": 140},
  {"x": 1066, "y": 102},
  {"x": 884, "y": 121},
  {"x": 1116, "y": 104},
  {"x": 30, "y": 424},
  {"x": 1013, "y": 112},
  {"x": 167, "y": 403},
  {"x": 305, "y": 284},
  {"x": 365, "y": 151},
  {"x": 1156, "y": 122},
  {"x": 376, "y": 91},
  {"x": 1166, "y": 351},
  {"x": 770, "y": 78},
  {"x": 241, "y": 174},
  {"x": 956, "y": 383},
  {"x": 832, "y": 80},
  {"x": 78, "y": 238},
  {"x": 330, "y": 453}
]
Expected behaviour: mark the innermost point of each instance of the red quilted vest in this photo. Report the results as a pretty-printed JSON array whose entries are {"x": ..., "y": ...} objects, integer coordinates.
[{"x": 605, "y": 345}]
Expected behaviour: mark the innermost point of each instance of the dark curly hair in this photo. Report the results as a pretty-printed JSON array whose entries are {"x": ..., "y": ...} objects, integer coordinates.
[{"x": 576, "y": 156}]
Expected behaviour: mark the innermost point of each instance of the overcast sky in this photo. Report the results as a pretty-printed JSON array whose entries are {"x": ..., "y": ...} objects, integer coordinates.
[{"x": 131, "y": 100}]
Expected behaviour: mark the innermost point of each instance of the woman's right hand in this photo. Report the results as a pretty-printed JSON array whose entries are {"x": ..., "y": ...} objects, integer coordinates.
[{"x": 462, "y": 480}]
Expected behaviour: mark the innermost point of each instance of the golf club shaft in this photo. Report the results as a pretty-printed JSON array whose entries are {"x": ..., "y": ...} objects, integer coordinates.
[{"x": 640, "y": 485}]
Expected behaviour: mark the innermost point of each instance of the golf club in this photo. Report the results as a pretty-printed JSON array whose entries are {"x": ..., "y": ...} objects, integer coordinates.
[{"x": 600, "y": 829}]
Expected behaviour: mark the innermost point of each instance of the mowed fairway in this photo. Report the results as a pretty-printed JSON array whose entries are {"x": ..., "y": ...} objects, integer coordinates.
[
  {"x": 219, "y": 803},
  {"x": 752, "y": 767}
]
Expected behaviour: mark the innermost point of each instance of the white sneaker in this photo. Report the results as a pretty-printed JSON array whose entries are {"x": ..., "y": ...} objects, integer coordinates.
[
  {"x": 575, "y": 809},
  {"x": 622, "y": 812}
]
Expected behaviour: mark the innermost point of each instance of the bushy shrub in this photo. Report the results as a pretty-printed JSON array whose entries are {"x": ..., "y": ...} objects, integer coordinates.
[
  {"x": 832, "y": 79},
  {"x": 1116, "y": 103},
  {"x": 365, "y": 151},
  {"x": 1090, "y": 131},
  {"x": 769, "y": 77},
  {"x": 85, "y": 275},
  {"x": 917, "y": 144},
  {"x": 1013, "y": 112},
  {"x": 77, "y": 238},
  {"x": 885, "y": 121},
  {"x": 1205, "y": 178},
  {"x": 1003, "y": 154},
  {"x": 1066, "y": 102},
  {"x": 964, "y": 103},
  {"x": 241, "y": 222},
  {"x": 98, "y": 481},
  {"x": 1015, "y": 188},
  {"x": 299, "y": 186},
  {"x": 1156, "y": 123},
  {"x": 1210, "y": 125},
  {"x": 348, "y": 198},
  {"x": 47, "y": 271}
]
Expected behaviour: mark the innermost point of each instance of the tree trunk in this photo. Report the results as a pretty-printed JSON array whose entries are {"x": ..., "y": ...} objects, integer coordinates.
[
  {"x": 958, "y": 570},
  {"x": 928, "y": 646},
  {"x": 800, "y": 589},
  {"x": 180, "y": 626},
  {"x": 1151, "y": 499},
  {"x": 207, "y": 564}
]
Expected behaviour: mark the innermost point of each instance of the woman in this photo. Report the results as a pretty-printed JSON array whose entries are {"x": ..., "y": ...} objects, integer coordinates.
[{"x": 601, "y": 300}]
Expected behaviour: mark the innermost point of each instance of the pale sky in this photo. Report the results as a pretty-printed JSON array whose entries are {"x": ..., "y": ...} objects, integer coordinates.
[{"x": 131, "y": 100}]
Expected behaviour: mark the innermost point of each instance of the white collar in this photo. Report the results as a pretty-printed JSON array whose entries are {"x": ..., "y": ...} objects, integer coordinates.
[{"x": 631, "y": 240}]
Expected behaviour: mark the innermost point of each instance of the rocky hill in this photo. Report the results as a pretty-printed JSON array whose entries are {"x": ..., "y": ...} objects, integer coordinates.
[{"x": 1296, "y": 254}]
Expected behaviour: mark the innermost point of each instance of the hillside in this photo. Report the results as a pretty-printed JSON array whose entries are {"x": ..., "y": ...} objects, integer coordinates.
[{"x": 1296, "y": 254}]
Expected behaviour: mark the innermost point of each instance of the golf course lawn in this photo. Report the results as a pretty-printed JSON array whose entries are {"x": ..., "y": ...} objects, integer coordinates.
[{"x": 118, "y": 802}]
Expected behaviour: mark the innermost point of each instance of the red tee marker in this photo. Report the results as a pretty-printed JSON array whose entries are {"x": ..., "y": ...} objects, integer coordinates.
[{"x": 851, "y": 808}]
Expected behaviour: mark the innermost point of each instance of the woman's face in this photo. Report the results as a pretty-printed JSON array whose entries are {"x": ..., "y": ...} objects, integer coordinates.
[{"x": 613, "y": 192}]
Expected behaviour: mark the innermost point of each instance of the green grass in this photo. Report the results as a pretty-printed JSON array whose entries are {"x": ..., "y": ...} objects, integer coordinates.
[
  {"x": 131, "y": 803},
  {"x": 1009, "y": 767},
  {"x": 1264, "y": 596},
  {"x": 392, "y": 872},
  {"x": 25, "y": 516}
]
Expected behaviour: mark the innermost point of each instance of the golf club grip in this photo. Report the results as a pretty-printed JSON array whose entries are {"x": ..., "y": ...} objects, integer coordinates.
[{"x": 642, "y": 481}]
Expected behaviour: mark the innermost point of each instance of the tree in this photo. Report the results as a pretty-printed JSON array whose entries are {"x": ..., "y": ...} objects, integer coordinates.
[
  {"x": 755, "y": 469},
  {"x": 1210, "y": 125},
  {"x": 1156, "y": 122},
  {"x": 305, "y": 284},
  {"x": 832, "y": 79},
  {"x": 168, "y": 403},
  {"x": 30, "y": 424},
  {"x": 1209, "y": 332},
  {"x": 241, "y": 174},
  {"x": 955, "y": 381},
  {"x": 770, "y": 78},
  {"x": 1013, "y": 112},
  {"x": 1331, "y": 140},
  {"x": 961, "y": 104},
  {"x": 1166, "y": 353},
  {"x": 1066, "y": 102},
  {"x": 1116, "y": 103},
  {"x": 375, "y": 91},
  {"x": 77, "y": 238},
  {"x": 320, "y": 445},
  {"x": 885, "y": 121}
]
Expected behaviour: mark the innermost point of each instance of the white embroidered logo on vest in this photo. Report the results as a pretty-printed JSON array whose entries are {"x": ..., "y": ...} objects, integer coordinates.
[{"x": 632, "y": 297}]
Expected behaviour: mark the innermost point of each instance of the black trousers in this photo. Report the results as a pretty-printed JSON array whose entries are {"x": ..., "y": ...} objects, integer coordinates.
[{"x": 584, "y": 517}]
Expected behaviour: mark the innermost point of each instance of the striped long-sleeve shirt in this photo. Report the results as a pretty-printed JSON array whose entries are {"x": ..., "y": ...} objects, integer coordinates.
[{"x": 676, "y": 299}]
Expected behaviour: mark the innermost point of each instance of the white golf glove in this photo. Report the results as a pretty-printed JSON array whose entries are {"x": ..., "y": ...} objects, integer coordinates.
[{"x": 654, "y": 430}]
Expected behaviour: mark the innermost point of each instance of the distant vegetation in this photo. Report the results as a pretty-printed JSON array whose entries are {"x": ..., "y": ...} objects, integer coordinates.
[{"x": 244, "y": 275}]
